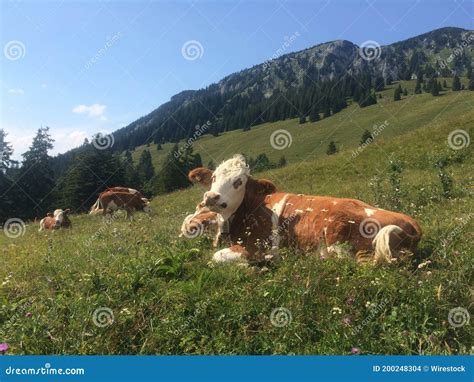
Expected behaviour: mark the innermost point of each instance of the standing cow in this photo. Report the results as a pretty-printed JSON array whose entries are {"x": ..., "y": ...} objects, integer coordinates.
[
  {"x": 55, "y": 220},
  {"x": 96, "y": 207},
  {"x": 111, "y": 201},
  {"x": 262, "y": 220}
]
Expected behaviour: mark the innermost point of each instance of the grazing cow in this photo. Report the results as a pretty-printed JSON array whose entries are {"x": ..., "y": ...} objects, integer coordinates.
[
  {"x": 262, "y": 220},
  {"x": 203, "y": 220},
  {"x": 96, "y": 208},
  {"x": 111, "y": 201},
  {"x": 55, "y": 220}
]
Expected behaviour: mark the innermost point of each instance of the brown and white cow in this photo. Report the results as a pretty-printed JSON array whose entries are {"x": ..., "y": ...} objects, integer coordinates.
[
  {"x": 55, "y": 220},
  {"x": 262, "y": 220},
  {"x": 96, "y": 208},
  {"x": 111, "y": 201}
]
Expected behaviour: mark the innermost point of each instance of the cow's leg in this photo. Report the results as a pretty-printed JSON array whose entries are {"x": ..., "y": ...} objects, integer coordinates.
[
  {"x": 236, "y": 254},
  {"x": 129, "y": 214}
]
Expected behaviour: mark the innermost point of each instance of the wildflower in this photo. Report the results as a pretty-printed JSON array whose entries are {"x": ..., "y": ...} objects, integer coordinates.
[
  {"x": 28, "y": 314},
  {"x": 355, "y": 350},
  {"x": 347, "y": 321},
  {"x": 3, "y": 347},
  {"x": 336, "y": 310},
  {"x": 424, "y": 264}
]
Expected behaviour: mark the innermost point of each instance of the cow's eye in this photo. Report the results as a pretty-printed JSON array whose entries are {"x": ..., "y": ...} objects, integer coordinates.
[{"x": 237, "y": 183}]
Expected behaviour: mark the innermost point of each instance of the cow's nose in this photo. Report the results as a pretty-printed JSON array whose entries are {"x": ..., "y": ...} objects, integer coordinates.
[{"x": 211, "y": 198}]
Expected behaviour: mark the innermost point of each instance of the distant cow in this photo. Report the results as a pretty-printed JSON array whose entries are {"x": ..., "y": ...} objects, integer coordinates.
[
  {"x": 55, "y": 220},
  {"x": 111, "y": 201},
  {"x": 96, "y": 208},
  {"x": 262, "y": 220}
]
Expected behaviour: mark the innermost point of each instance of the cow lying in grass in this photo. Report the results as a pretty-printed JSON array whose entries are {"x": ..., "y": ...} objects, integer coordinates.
[
  {"x": 111, "y": 201},
  {"x": 262, "y": 220},
  {"x": 56, "y": 220},
  {"x": 97, "y": 208}
]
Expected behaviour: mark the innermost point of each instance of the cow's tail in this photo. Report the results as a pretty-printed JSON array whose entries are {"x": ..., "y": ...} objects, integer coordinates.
[
  {"x": 96, "y": 206},
  {"x": 381, "y": 243},
  {"x": 41, "y": 228}
]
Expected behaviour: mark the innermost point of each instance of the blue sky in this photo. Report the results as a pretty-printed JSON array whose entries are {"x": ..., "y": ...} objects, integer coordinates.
[{"x": 87, "y": 66}]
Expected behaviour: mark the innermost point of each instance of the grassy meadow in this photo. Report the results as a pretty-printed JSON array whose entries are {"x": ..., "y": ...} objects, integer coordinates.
[{"x": 137, "y": 288}]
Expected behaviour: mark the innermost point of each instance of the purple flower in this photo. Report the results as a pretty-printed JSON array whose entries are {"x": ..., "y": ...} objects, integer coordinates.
[
  {"x": 3, "y": 347},
  {"x": 350, "y": 301},
  {"x": 29, "y": 314},
  {"x": 355, "y": 350}
]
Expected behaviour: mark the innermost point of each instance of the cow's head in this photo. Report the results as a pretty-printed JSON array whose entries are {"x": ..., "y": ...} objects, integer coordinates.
[
  {"x": 146, "y": 206},
  {"x": 230, "y": 183},
  {"x": 61, "y": 216}
]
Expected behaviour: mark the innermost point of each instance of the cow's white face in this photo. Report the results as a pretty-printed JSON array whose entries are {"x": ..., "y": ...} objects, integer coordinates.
[
  {"x": 147, "y": 208},
  {"x": 228, "y": 187},
  {"x": 59, "y": 216}
]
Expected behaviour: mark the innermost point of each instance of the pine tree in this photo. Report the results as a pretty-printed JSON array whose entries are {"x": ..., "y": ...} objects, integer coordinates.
[
  {"x": 145, "y": 168},
  {"x": 332, "y": 149},
  {"x": 6, "y": 152},
  {"x": 158, "y": 146},
  {"x": 397, "y": 94},
  {"x": 366, "y": 137},
  {"x": 471, "y": 83},
  {"x": 282, "y": 161},
  {"x": 314, "y": 114},
  {"x": 456, "y": 83},
  {"x": 405, "y": 92},
  {"x": 434, "y": 89},
  {"x": 379, "y": 84},
  {"x": 302, "y": 120},
  {"x": 418, "y": 86},
  {"x": 36, "y": 177},
  {"x": 445, "y": 85}
]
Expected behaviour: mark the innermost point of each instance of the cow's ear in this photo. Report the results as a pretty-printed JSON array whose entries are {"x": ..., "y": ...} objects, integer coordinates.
[
  {"x": 50, "y": 214},
  {"x": 265, "y": 187},
  {"x": 67, "y": 210},
  {"x": 201, "y": 175}
]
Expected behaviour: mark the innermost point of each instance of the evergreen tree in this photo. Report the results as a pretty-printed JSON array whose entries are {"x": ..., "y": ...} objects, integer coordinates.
[
  {"x": 397, "y": 94},
  {"x": 332, "y": 149},
  {"x": 6, "y": 152},
  {"x": 282, "y": 161},
  {"x": 314, "y": 114},
  {"x": 471, "y": 83},
  {"x": 158, "y": 146},
  {"x": 456, "y": 83},
  {"x": 367, "y": 99},
  {"x": 366, "y": 137},
  {"x": 145, "y": 168},
  {"x": 405, "y": 92},
  {"x": 36, "y": 177},
  {"x": 445, "y": 85},
  {"x": 435, "y": 89},
  {"x": 379, "y": 84},
  {"x": 418, "y": 86},
  {"x": 302, "y": 120}
]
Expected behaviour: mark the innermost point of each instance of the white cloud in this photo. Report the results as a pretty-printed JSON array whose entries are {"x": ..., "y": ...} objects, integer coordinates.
[
  {"x": 16, "y": 91},
  {"x": 94, "y": 110}
]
